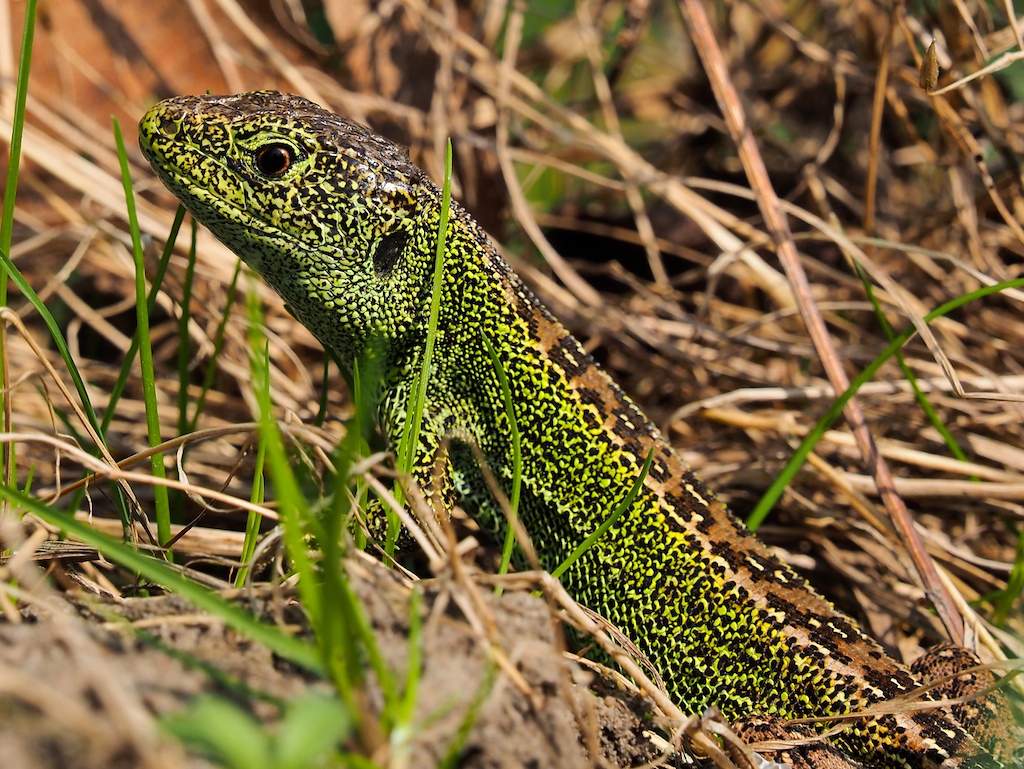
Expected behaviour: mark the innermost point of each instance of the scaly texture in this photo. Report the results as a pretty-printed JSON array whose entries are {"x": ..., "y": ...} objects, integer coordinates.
[{"x": 343, "y": 226}]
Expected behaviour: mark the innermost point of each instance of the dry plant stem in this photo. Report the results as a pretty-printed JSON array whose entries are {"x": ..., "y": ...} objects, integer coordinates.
[
  {"x": 582, "y": 620},
  {"x": 925, "y": 488},
  {"x": 877, "y": 110},
  {"x": 219, "y": 47},
  {"x": 603, "y": 90},
  {"x": 729, "y": 103},
  {"x": 7, "y": 315},
  {"x": 514, "y": 91},
  {"x": 967, "y": 17},
  {"x": 211, "y": 542},
  {"x": 293, "y": 431},
  {"x": 963, "y": 136},
  {"x": 263, "y": 44},
  {"x": 520, "y": 206},
  {"x": 10, "y": 473},
  {"x": 972, "y": 622},
  {"x": 442, "y": 109},
  {"x": 732, "y": 745},
  {"x": 9, "y": 71},
  {"x": 908, "y": 305},
  {"x": 104, "y": 472},
  {"x": 1012, "y": 18},
  {"x": 815, "y": 392}
]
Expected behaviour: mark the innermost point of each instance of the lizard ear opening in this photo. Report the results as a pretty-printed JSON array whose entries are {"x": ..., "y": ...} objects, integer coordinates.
[{"x": 389, "y": 250}]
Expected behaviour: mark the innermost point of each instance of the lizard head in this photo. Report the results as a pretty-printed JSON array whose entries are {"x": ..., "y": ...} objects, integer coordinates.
[{"x": 337, "y": 219}]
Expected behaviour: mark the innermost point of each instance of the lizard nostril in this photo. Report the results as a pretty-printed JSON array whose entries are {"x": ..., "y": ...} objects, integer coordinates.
[{"x": 167, "y": 127}]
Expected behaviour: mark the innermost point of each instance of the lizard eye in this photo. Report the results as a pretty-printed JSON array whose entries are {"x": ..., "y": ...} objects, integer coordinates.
[{"x": 274, "y": 160}]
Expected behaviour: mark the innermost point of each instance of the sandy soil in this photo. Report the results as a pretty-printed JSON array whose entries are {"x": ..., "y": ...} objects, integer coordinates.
[{"x": 84, "y": 681}]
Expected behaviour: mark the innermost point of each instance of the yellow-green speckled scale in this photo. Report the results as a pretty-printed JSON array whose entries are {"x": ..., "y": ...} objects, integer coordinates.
[{"x": 343, "y": 226}]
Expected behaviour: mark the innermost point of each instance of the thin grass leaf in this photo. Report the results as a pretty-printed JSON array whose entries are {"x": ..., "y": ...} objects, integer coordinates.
[
  {"x": 365, "y": 386},
  {"x": 343, "y": 623},
  {"x": 17, "y": 132},
  {"x": 9, "y": 452},
  {"x": 55, "y": 334},
  {"x": 775, "y": 491},
  {"x": 160, "y": 498},
  {"x": 129, "y": 359},
  {"x": 184, "y": 347},
  {"x": 224, "y": 731},
  {"x": 517, "y": 458},
  {"x": 1014, "y": 586},
  {"x": 411, "y": 433},
  {"x": 312, "y": 728},
  {"x": 606, "y": 524},
  {"x": 218, "y": 346},
  {"x": 160, "y": 573},
  {"x": 405, "y": 707},
  {"x": 929, "y": 411},
  {"x": 292, "y": 505},
  {"x": 252, "y": 522},
  {"x": 344, "y": 635},
  {"x": 323, "y": 400}
]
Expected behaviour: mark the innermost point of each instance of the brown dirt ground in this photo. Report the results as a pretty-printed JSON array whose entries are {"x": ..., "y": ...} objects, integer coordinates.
[{"x": 86, "y": 679}]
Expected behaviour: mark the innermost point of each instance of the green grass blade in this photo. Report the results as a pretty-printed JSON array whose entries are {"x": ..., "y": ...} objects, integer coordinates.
[
  {"x": 775, "y": 491},
  {"x": 252, "y": 523},
  {"x": 930, "y": 413},
  {"x": 411, "y": 434},
  {"x": 344, "y": 636},
  {"x": 184, "y": 347},
  {"x": 55, "y": 334},
  {"x": 312, "y": 728},
  {"x": 292, "y": 505},
  {"x": 623, "y": 506},
  {"x": 351, "y": 630},
  {"x": 1014, "y": 586},
  {"x": 7, "y": 221},
  {"x": 218, "y": 345},
  {"x": 223, "y": 731},
  {"x": 17, "y": 132},
  {"x": 517, "y": 457},
  {"x": 126, "y": 366},
  {"x": 160, "y": 497},
  {"x": 405, "y": 709},
  {"x": 158, "y": 572},
  {"x": 323, "y": 402}
]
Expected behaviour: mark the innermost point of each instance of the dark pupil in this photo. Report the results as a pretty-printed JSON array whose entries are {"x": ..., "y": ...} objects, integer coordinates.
[{"x": 274, "y": 159}]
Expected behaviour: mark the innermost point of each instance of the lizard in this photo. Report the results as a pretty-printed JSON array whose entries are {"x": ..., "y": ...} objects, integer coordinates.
[{"x": 342, "y": 224}]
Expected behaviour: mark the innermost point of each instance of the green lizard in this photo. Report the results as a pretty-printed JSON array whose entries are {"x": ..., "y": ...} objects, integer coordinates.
[{"x": 343, "y": 226}]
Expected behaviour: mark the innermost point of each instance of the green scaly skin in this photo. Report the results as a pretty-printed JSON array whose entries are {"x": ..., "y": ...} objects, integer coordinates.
[{"x": 343, "y": 226}]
